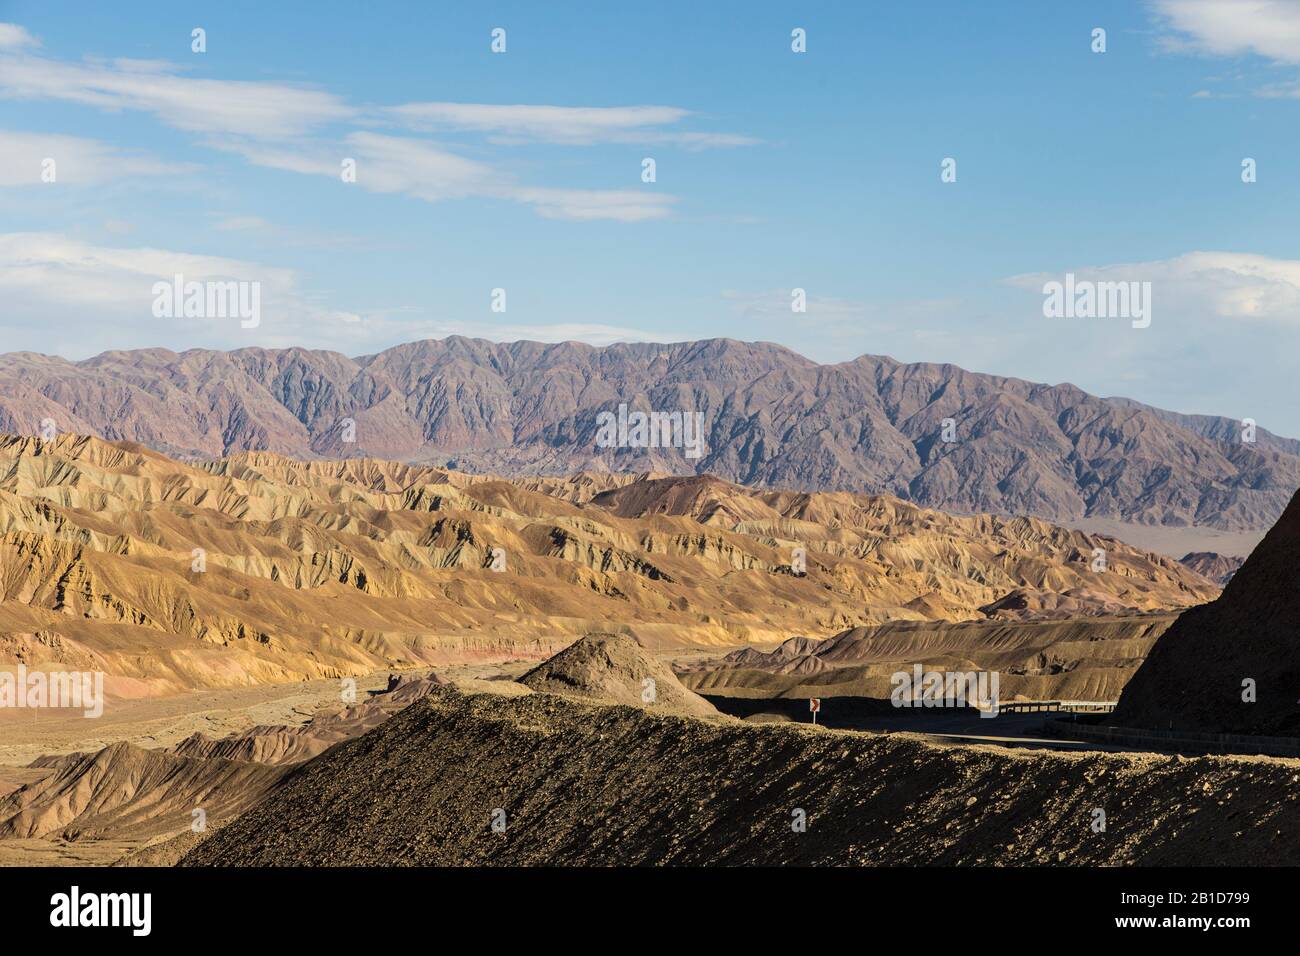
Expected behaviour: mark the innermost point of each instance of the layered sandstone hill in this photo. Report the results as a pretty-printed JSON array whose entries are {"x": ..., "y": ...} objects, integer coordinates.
[
  {"x": 614, "y": 668},
  {"x": 772, "y": 418},
  {"x": 134, "y": 796},
  {"x": 570, "y": 784},
  {"x": 129, "y": 792},
  {"x": 283, "y": 744},
  {"x": 167, "y": 574},
  {"x": 1087, "y": 659},
  {"x": 1234, "y": 665}
]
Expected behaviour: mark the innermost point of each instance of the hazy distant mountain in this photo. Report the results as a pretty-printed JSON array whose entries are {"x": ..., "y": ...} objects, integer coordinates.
[
  {"x": 1212, "y": 566},
  {"x": 770, "y": 417}
]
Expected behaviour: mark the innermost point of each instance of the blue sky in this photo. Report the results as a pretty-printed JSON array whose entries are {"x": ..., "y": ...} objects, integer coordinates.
[{"x": 775, "y": 170}]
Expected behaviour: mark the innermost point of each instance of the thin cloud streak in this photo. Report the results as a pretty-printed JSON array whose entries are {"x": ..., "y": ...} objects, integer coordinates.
[
  {"x": 580, "y": 126},
  {"x": 76, "y": 161},
  {"x": 283, "y": 127}
]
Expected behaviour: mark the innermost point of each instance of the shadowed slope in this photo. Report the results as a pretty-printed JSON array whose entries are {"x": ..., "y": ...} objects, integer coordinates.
[
  {"x": 581, "y": 784},
  {"x": 1193, "y": 678}
]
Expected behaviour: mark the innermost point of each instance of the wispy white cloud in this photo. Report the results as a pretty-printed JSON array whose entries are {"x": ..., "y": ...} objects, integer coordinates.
[
  {"x": 14, "y": 37},
  {"x": 427, "y": 171},
  {"x": 104, "y": 297},
  {"x": 1235, "y": 28},
  {"x": 391, "y": 164},
  {"x": 563, "y": 124},
  {"x": 1267, "y": 28},
  {"x": 623, "y": 205},
  {"x": 57, "y": 270},
  {"x": 295, "y": 129},
  {"x": 77, "y": 161},
  {"x": 234, "y": 107},
  {"x": 1219, "y": 285}
]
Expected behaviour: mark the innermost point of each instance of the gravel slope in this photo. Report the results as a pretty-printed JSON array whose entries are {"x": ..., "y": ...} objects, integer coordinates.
[{"x": 593, "y": 785}]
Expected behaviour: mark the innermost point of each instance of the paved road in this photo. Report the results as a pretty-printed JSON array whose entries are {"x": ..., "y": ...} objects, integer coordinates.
[
  {"x": 1008, "y": 730},
  {"x": 956, "y": 726}
]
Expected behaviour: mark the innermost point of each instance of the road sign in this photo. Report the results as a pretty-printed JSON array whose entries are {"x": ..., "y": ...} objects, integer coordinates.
[{"x": 814, "y": 704}]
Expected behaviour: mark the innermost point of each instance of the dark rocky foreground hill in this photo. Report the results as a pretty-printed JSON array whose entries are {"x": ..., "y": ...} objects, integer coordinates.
[
  {"x": 1194, "y": 677},
  {"x": 583, "y": 784},
  {"x": 772, "y": 418}
]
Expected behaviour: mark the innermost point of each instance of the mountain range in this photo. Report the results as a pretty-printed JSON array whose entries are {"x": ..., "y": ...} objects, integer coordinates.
[{"x": 937, "y": 435}]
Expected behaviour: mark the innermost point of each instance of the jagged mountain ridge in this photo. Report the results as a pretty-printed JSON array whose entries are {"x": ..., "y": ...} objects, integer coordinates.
[{"x": 772, "y": 418}]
